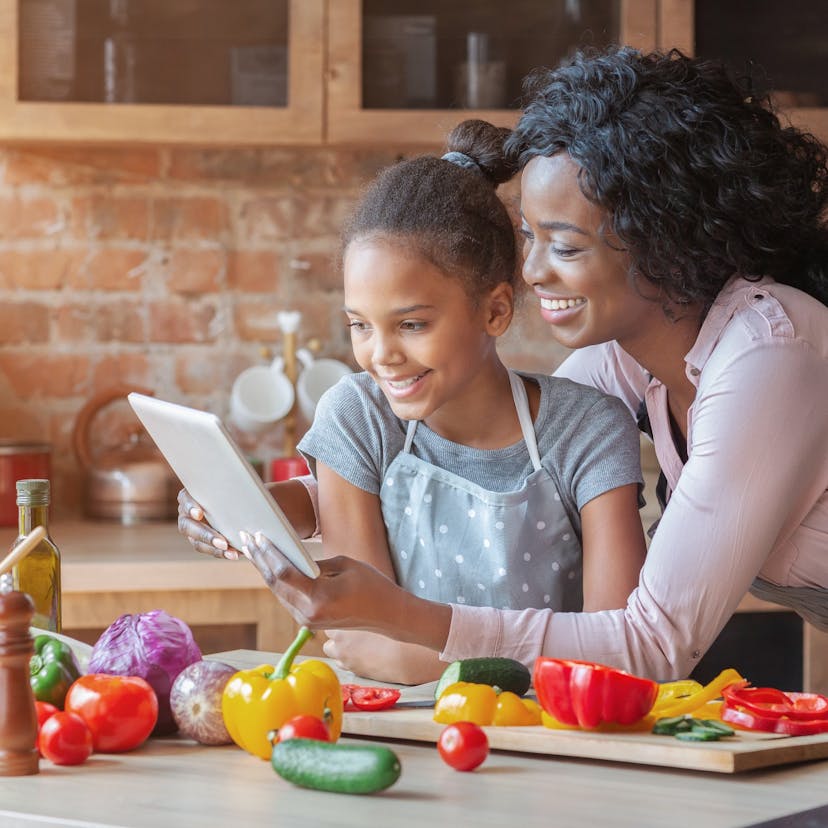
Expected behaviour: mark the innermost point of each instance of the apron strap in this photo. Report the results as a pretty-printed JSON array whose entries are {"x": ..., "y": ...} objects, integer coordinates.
[
  {"x": 409, "y": 436},
  {"x": 524, "y": 417}
]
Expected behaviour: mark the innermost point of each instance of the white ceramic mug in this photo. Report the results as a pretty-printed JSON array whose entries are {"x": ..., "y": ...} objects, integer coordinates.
[
  {"x": 261, "y": 396},
  {"x": 316, "y": 378}
]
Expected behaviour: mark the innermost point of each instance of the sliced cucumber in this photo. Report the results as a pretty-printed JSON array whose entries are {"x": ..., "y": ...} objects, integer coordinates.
[
  {"x": 326, "y": 766},
  {"x": 505, "y": 673}
]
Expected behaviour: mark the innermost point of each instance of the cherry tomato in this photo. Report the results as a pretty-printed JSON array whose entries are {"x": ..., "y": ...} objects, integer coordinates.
[
  {"x": 44, "y": 710},
  {"x": 64, "y": 739},
  {"x": 304, "y": 727},
  {"x": 463, "y": 746},
  {"x": 121, "y": 711},
  {"x": 374, "y": 698}
]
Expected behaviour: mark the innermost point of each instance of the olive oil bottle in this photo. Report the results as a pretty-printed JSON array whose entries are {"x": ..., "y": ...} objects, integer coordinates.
[{"x": 38, "y": 574}]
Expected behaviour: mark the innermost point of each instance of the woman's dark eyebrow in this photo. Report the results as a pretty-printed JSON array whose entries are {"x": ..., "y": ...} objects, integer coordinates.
[{"x": 557, "y": 225}]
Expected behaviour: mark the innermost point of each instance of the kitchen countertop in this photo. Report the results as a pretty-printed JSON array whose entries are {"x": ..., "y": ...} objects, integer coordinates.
[
  {"x": 108, "y": 568},
  {"x": 97, "y": 556},
  {"x": 174, "y": 781}
]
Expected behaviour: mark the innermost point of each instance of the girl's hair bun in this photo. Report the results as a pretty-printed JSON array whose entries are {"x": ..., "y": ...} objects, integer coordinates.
[{"x": 483, "y": 143}]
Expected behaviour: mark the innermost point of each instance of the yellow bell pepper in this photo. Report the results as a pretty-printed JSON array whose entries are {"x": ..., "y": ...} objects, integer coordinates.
[
  {"x": 260, "y": 700},
  {"x": 511, "y": 709},
  {"x": 483, "y": 704}
]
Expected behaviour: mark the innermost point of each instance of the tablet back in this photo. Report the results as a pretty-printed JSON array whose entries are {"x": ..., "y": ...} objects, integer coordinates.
[{"x": 215, "y": 472}]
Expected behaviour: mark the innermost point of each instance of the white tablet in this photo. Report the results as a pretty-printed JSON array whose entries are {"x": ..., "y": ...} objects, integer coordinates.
[{"x": 215, "y": 472}]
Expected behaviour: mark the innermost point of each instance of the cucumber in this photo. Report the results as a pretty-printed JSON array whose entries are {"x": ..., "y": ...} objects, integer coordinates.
[
  {"x": 505, "y": 673},
  {"x": 327, "y": 766}
]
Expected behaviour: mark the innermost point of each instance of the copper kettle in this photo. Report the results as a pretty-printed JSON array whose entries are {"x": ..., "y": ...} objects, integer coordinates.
[{"x": 131, "y": 482}]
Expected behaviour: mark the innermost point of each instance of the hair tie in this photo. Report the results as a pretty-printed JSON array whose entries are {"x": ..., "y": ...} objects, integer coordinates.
[{"x": 463, "y": 160}]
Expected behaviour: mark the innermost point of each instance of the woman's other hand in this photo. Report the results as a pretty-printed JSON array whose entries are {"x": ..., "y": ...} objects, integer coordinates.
[
  {"x": 347, "y": 594},
  {"x": 199, "y": 533}
]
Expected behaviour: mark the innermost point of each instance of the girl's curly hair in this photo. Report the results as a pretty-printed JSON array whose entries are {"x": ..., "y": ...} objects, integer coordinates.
[{"x": 700, "y": 179}]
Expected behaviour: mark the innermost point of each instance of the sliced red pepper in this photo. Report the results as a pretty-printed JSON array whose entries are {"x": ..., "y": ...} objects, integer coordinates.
[
  {"x": 359, "y": 697},
  {"x": 586, "y": 694},
  {"x": 346, "y": 694},
  {"x": 768, "y": 701},
  {"x": 773, "y": 724},
  {"x": 374, "y": 698}
]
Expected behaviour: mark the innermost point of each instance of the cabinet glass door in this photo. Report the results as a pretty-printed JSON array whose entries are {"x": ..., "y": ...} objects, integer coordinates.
[
  {"x": 194, "y": 71},
  {"x": 422, "y": 63},
  {"x": 783, "y": 46},
  {"x": 194, "y": 52}
]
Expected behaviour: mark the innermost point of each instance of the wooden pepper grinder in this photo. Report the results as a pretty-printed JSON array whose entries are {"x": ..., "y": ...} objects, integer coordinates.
[{"x": 18, "y": 720}]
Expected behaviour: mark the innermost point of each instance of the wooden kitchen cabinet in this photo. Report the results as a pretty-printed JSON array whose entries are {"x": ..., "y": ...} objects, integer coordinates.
[
  {"x": 409, "y": 70},
  {"x": 782, "y": 45},
  {"x": 193, "y": 71},
  {"x": 358, "y": 71}
]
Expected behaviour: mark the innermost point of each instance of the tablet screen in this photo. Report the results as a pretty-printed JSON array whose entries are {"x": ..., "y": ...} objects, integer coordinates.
[{"x": 215, "y": 472}]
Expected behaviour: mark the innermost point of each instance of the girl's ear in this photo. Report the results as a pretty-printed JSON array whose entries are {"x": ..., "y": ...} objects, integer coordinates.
[{"x": 500, "y": 307}]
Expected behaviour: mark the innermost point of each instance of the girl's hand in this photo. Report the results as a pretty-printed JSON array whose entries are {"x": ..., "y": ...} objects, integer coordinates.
[
  {"x": 348, "y": 594},
  {"x": 382, "y": 659},
  {"x": 199, "y": 533}
]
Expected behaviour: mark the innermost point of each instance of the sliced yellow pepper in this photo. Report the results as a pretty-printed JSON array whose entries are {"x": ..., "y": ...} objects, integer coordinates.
[
  {"x": 482, "y": 704},
  {"x": 260, "y": 700},
  {"x": 678, "y": 706},
  {"x": 672, "y": 690}
]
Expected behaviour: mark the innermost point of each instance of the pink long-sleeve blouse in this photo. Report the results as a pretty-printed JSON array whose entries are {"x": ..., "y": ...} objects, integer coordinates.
[{"x": 750, "y": 502}]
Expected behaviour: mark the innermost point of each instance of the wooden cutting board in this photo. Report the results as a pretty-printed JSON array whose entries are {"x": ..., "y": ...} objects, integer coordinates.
[{"x": 745, "y": 751}]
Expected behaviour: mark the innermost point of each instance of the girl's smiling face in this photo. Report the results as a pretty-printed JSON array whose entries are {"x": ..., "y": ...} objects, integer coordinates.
[
  {"x": 418, "y": 333},
  {"x": 576, "y": 267}
]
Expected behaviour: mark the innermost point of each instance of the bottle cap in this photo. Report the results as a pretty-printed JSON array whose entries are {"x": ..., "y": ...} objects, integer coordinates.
[{"x": 33, "y": 492}]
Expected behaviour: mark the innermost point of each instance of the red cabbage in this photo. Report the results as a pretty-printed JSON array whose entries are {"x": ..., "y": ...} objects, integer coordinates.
[{"x": 153, "y": 645}]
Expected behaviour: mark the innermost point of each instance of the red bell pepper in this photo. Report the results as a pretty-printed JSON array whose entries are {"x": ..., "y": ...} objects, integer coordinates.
[
  {"x": 772, "y": 711},
  {"x": 773, "y": 724},
  {"x": 768, "y": 701},
  {"x": 586, "y": 694}
]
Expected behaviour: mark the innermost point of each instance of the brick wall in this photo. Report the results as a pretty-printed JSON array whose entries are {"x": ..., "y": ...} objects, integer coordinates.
[{"x": 165, "y": 268}]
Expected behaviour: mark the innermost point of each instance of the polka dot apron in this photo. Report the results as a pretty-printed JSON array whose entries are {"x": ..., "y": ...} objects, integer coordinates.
[{"x": 453, "y": 541}]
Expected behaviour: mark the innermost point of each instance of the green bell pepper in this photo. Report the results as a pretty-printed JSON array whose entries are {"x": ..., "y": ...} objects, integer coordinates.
[{"x": 52, "y": 669}]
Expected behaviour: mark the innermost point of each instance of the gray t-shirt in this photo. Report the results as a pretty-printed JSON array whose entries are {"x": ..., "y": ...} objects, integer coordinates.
[{"x": 587, "y": 441}]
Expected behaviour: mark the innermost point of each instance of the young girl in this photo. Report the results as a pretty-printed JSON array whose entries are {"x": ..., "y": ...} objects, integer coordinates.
[{"x": 463, "y": 481}]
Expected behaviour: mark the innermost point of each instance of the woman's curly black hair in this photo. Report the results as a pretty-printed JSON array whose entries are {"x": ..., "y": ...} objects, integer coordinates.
[{"x": 700, "y": 179}]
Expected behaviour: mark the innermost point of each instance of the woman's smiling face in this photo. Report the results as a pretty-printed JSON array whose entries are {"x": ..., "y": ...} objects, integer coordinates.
[{"x": 576, "y": 267}]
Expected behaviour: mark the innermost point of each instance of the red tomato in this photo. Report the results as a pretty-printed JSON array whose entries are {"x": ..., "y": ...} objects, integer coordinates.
[
  {"x": 44, "y": 710},
  {"x": 64, "y": 739},
  {"x": 463, "y": 745},
  {"x": 374, "y": 698},
  {"x": 121, "y": 711},
  {"x": 304, "y": 727}
]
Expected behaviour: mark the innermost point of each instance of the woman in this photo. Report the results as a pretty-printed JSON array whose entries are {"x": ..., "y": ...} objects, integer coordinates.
[{"x": 673, "y": 238}]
